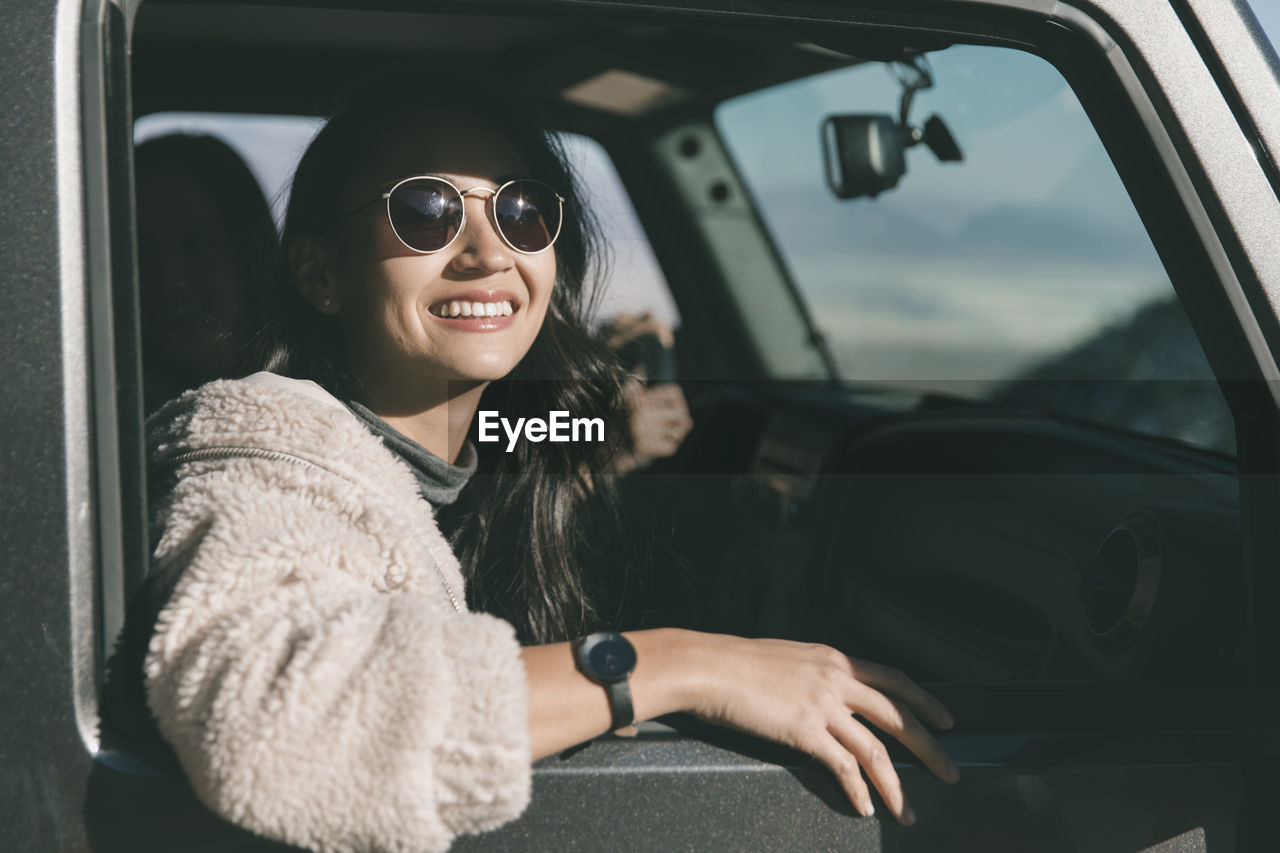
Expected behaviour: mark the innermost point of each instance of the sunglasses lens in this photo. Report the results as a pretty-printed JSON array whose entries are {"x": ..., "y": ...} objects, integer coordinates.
[
  {"x": 528, "y": 214},
  {"x": 425, "y": 213}
]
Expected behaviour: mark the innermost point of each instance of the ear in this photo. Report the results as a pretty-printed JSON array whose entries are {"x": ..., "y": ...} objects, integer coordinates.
[{"x": 312, "y": 270}]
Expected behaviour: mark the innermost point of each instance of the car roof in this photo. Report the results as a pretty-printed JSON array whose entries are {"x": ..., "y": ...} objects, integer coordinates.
[{"x": 292, "y": 60}]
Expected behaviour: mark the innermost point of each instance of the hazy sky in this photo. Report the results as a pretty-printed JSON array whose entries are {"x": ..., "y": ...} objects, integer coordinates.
[
  {"x": 1268, "y": 14},
  {"x": 973, "y": 270}
]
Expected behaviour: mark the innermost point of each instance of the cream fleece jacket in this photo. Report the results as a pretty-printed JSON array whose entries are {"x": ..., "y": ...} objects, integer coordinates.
[{"x": 315, "y": 668}]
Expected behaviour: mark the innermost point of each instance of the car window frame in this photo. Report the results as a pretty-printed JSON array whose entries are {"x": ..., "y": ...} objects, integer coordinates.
[{"x": 112, "y": 543}]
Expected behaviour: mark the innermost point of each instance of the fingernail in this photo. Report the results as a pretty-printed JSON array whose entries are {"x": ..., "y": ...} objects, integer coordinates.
[
  {"x": 947, "y": 720},
  {"x": 867, "y": 809},
  {"x": 953, "y": 775},
  {"x": 908, "y": 816}
]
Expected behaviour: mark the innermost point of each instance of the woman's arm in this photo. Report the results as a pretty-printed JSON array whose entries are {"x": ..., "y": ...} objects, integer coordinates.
[
  {"x": 566, "y": 708},
  {"x": 308, "y": 706},
  {"x": 799, "y": 694}
]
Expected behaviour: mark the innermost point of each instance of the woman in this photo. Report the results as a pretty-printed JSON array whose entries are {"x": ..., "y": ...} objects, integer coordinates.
[{"x": 315, "y": 664}]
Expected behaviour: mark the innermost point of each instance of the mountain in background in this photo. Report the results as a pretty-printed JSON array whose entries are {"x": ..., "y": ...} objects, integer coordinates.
[{"x": 1147, "y": 374}]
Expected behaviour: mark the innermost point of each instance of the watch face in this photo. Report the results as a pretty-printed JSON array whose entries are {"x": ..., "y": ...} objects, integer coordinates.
[{"x": 612, "y": 659}]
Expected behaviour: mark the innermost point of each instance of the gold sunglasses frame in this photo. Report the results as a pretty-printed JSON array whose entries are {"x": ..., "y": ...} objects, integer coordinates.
[{"x": 492, "y": 211}]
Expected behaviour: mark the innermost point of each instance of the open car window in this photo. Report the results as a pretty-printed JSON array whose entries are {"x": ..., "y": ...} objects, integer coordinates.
[{"x": 1019, "y": 273}]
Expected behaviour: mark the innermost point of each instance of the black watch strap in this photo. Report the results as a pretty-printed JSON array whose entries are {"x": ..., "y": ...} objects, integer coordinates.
[
  {"x": 608, "y": 658},
  {"x": 620, "y": 705}
]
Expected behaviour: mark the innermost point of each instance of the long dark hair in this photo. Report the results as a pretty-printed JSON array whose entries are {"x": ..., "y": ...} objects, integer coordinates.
[{"x": 517, "y": 526}]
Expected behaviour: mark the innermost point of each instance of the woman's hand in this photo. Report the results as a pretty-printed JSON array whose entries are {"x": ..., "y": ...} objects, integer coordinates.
[
  {"x": 806, "y": 696},
  {"x": 798, "y": 694}
]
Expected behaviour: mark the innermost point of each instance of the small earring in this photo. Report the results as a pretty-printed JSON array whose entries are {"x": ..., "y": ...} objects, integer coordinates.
[{"x": 327, "y": 302}]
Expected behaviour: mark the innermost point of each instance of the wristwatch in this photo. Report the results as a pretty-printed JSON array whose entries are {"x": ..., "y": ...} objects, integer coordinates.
[{"x": 607, "y": 659}]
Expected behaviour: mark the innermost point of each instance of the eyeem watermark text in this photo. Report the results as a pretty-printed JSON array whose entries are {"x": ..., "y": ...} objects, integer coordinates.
[{"x": 558, "y": 427}]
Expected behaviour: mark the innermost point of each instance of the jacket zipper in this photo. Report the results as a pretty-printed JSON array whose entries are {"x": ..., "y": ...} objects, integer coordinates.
[{"x": 206, "y": 453}]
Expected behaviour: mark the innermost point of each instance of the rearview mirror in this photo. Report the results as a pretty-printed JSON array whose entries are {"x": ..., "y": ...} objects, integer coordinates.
[{"x": 864, "y": 154}]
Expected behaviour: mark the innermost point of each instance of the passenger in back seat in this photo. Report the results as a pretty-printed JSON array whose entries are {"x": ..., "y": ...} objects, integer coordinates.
[{"x": 205, "y": 243}]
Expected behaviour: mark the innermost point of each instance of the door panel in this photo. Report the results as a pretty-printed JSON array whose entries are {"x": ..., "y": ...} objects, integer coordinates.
[{"x": 1046, "y": 793}]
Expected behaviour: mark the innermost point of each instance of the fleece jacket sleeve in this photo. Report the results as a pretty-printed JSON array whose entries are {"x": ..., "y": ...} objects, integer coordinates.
[{"x": 309, "y": 705}]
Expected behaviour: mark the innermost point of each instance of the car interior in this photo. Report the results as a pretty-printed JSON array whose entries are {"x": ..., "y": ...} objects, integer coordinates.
[{"x": 970, "y": 538}]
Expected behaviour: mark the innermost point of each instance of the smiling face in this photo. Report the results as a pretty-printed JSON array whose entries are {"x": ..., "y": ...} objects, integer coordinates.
[{"x": 395, "y": 305}]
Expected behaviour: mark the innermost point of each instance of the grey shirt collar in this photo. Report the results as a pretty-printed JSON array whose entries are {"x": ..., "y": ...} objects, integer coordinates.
[{"x": 439, "y": 481}]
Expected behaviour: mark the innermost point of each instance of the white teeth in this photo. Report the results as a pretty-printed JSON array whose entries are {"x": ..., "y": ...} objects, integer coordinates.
[{"x": 473, "y": 309}]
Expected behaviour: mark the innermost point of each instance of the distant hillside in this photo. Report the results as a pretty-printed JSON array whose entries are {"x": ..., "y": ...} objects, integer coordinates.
[{"x": 1147, "y": 374}]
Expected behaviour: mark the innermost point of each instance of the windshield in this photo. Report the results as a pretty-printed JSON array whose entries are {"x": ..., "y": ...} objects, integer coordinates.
[{"x": 1023, "y": 262}]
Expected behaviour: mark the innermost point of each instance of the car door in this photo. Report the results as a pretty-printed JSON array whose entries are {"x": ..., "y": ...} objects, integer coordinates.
[{"x": 1183, "y": 98}]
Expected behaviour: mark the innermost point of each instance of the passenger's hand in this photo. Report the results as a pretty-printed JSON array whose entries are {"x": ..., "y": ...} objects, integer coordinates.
[
  {"x": 657, "y": 424},
  {"x": 806, "y": 696},
  {"x": 659, "y": 420},
  {"x": 624, "y": 328}
]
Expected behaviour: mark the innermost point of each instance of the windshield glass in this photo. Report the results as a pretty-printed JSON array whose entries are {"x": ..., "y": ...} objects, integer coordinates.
[{"x": 1023, "y": 262}]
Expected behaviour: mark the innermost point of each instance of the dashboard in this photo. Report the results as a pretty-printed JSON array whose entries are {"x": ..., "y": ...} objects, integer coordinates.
[{"x": 957, "y": 541}]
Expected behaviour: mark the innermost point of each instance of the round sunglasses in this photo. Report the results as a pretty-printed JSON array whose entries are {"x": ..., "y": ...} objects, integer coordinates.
[{"x": 427, "y": 214}]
